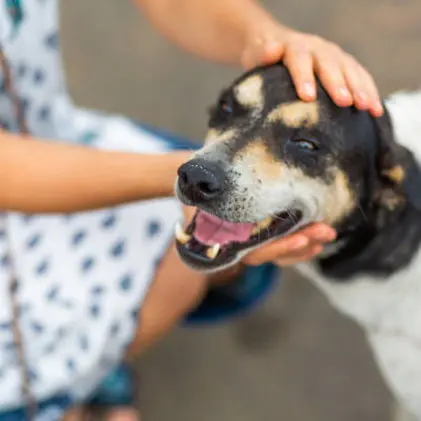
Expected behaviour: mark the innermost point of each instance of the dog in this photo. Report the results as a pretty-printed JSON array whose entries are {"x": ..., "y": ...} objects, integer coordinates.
[{"x": 271, "y": 164}]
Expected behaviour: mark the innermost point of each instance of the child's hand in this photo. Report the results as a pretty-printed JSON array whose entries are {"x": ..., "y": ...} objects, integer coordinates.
[
  {"x": 305, "y": 55},
  {"x": 295, "y": 248}
]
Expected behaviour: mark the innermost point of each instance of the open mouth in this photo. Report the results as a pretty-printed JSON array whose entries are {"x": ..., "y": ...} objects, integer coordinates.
[{"x": 210, "y": 242}]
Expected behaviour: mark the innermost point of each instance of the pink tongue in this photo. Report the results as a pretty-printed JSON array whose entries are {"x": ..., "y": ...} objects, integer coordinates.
[{"x": 211, "y": 230}]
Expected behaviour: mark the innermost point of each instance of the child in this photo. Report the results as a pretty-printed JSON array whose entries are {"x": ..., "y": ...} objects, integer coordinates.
[{"x": 79, "y": 265}]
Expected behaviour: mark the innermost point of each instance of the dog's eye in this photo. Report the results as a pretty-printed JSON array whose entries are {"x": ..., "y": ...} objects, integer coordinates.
[
  {"x": 305, "y": 144},
  {"x": 226, "y": 107}
]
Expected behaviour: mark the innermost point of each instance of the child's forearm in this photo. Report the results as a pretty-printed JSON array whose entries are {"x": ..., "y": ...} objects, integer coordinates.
[
  {"x": 42, "y": 176},
  {"x": 217, "y": 30}
]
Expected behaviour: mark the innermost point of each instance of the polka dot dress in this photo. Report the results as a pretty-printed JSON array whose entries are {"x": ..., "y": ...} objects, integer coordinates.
[{"x": 80, "y": 278}]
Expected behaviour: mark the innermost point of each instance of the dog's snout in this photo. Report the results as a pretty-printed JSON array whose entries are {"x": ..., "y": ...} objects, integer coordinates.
[{"x": 201, "y": 180}]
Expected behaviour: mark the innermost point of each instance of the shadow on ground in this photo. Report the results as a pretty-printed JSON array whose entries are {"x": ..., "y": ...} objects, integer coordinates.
[{"x": 295, "y": 358}]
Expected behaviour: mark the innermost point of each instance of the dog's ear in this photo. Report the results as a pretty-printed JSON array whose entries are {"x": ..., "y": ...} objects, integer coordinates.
[{"x": 399, "y": 171}]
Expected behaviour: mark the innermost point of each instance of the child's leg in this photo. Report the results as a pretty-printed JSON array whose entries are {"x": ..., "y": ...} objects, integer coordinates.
[{"x": 174, "y": 292}]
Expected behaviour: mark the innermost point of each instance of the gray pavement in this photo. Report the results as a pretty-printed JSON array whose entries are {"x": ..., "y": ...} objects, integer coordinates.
[{"x": 295, "y": 358}]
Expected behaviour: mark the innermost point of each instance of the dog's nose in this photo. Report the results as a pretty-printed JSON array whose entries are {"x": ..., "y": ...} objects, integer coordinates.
[{"x": 201, "y": 180}]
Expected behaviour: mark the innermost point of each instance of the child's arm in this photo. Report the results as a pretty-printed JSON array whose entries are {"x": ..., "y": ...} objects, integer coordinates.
[
  {"x": 42, "y": 176},
  {"x": 213, "y": 29},
  {"x": 242, "y": 32}
]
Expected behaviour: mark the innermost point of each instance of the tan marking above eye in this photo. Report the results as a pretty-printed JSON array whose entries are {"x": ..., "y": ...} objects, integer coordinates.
[
  {"x": 214, "y": 135},
  {"x": 296, "y": 114},
  {"x": 249, "y": 92},
  {"x": 395, "y": 174},
  {"x": 262, "y": 163}
]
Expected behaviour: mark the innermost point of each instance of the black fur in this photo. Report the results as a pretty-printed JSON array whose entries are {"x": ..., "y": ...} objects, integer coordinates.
[{"x": 378, "y": 240}]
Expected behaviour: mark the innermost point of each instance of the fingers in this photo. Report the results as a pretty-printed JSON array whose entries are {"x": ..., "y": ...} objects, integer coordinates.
[
  {"x": 282, "y": 248},
  {"x": 304, "y": 256},
  {"x": 319, "y": 232},
  {"x": 286, "y": 258},
  {"x": 299, "y": 61},
  {"x": 362, "y": 86},
  {"x": 346, "y": 81},
  {"x": 343, "y": 77},
  {"x": 329, "y": 68},
  {"x": 297, "y": 247}
]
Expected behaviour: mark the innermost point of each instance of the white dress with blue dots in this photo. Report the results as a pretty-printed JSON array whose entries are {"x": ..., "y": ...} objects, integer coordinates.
[{"x": 81, "y": 278}]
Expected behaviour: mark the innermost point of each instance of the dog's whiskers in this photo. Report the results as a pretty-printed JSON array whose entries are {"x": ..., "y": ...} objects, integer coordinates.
[
  {"x": 290, "y": 215},
  {"x": 362, "y": 212}
]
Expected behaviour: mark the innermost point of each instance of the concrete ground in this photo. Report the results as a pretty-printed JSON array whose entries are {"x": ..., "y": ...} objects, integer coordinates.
[{"x": 295, "y": 358}]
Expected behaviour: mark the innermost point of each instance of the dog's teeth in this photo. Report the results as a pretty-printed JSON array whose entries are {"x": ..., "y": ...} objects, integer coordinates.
[
  {"x": 213, "y": 251},
  {"x": 180, "y": 235},
  {"x": 256, "y": 230},
  {"x": 261, "y": 225},
  {"x": 265, "y": 223}
]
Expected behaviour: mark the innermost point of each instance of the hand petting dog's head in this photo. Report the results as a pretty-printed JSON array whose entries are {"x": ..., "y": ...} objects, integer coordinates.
[{"x": 272, "y": 163}]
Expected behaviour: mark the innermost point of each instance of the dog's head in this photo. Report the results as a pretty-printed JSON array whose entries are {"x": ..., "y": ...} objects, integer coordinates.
[{"x": 272, "y": 163}]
